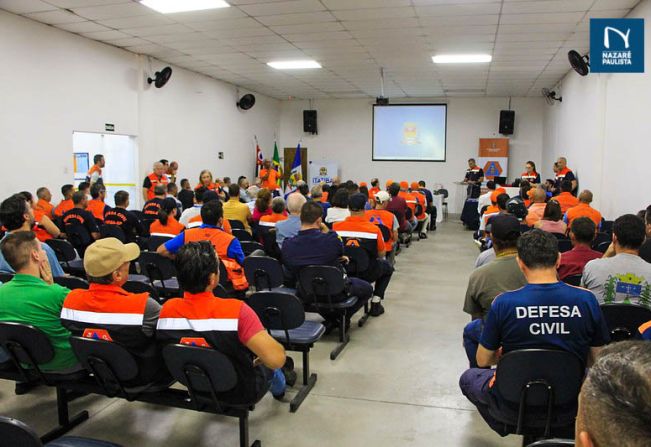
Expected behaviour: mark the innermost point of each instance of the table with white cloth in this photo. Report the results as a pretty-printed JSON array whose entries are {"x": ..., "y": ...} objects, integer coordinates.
[{"x": 437, "y": 203}]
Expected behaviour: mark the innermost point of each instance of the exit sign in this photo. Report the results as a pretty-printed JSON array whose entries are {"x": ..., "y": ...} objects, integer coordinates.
[{"x": 109, "y": 127}]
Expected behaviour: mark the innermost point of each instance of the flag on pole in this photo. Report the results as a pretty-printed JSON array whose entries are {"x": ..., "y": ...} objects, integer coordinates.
[
  {"x": 295, "y": 174},
  {"x": 259, "y": 158},
  {"x": 277, "y": 166}
]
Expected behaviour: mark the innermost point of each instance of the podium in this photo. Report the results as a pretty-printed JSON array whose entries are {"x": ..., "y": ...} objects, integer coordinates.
[{"x": 461, "y": 194}]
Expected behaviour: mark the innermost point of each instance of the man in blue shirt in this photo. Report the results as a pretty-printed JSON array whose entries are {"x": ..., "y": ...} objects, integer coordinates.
[
  {"x": 16, "y": 214},
  {"x": 544, "y": 314},
  {"x": 313, "y": 246},
  {"x": 289, "y": 227}
]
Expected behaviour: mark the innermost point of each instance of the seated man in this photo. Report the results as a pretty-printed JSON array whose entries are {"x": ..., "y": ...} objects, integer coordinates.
[
  {"x": 485, "y": 283},
  {"x": 66, "y": 204},
  {"x": 31, "y": 297},
  {"x": 122, "y": 217},
  {"x": 485, "y": 199},
  {"x": 236, "y": 210},
  {"x": 398, "y": 206},
  {"x": 228, "y": 325},
  {"x": 571, "y": 317},
  {"x": 96, "y": 206},
  {"x": 565, "y": 199},
  {"x": 620, "y": 278},
  {"x": 44, "y": 228},
  {"x": 44, "y": 197},
  {"x": 583, "y": 209},
  {"x": 614, "y": 400},
  {"x": 315, "y": 245},
  {"x": 195, "y": 210},
  {"x": 356, "y": 227},
  {"x": 79, "y": 219},
  {"x": 537, "y": 207},
  {"x": 289, "y": 228},
  {"x": 151, "y": 207},
  {"x": 16, "y": 215},
  {"x": 380, "y": 216},
  {"x": 106, "y": 311},
  {"x": 582, "y": 233},
  {"x": 228, "y": 248}
]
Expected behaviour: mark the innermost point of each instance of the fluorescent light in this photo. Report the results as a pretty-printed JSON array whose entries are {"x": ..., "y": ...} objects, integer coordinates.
[
  {"x": 293, "y": 65},
  {"x": 461, "y": 58},
  {"x": 170, "y": 6}
]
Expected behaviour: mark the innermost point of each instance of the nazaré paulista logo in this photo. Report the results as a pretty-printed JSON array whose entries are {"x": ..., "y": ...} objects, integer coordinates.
[{"x": 617, "y": 45}]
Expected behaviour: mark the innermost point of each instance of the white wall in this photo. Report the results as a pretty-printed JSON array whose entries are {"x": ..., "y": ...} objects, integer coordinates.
[
  {"x": 53, "y": 83},
  {"x": 345, "y": 136},
  {"x": 602, "y": 127}
]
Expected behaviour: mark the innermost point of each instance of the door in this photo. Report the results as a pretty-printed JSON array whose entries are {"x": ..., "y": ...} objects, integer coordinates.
[
  {"x": 121, "y": 155},
  {"x": 290, "y": 153}
]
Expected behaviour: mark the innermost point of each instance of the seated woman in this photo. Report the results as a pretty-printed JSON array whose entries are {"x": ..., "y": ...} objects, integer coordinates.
[
  {"x": 339, "y": 210},
  {"x": 552, "y": 219},
  {"x": 166, "y": 223},
  {"x": 262, "y": 205},
  {"x": 206, "y": 179}
]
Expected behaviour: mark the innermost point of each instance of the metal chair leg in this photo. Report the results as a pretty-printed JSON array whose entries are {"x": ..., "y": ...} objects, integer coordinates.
[
  {"x": 309, "y": 380},
  {"x": 65, "y": 422},
  {"x": 344, "y": 338}
]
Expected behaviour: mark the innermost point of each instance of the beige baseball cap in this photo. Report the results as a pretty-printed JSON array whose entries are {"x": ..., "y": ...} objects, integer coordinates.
[
  {"x": 382, "y": 196},
  {"x": 105, "y": 256}
]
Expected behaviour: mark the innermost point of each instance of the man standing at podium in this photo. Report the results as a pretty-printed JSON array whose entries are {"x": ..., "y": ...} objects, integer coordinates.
[{"x": 474, "y": 177}]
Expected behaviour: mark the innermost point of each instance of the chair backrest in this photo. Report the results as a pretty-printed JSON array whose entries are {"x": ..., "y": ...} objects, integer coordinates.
[
  {"x": 140, "y": 287},
  {"x": 600, "y": 238},
  {"x": 6, "y": 277},
  {"x": 561, "y": 237},
  {"x": 16, "y": 433},
  {"x": 603, "y": 246},
  {"x": 386, "y": 232},
  {"x": 564, "y": 245},
  {"x": 524, "y": 228},
  {"x": 555, "y": 442},
  {"x": 156, "y": 267},
  {"x": 79, "y": 237},
  {"x": 623, "y": 320},
  {"x": 359, "y": 259},
  {"x": 26, "y": 345},
  {"x": 263, "y": 272},
  {"x": 112, "y": 231},
  {"x": 249, "y": 247},
  {"x": 573, "y": 280},
  {"x": 607, "y": 226},
  {"x": 138, "y": 213},
  {"x": 322, "y": 283},
  {"x": 534, "y": 372},
  {"x": 278, "y": 310},
  {"x": 156, "y": 241},
  {"x": 63, "y": 249},
  {"x": 146, "y": 224},
  {"x": 202, "y": 370},
  {"x": 110, "y": 363},
  {"x": 242, "y": 235},
  {"x": 236, "y": 225},
  {"x": 71, "y": 282}
]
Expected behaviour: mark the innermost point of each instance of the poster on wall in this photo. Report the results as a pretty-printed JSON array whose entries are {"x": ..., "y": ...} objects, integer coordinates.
[
  {"x": 322, "y": 172},
  {"x": 494, "y": 157}
]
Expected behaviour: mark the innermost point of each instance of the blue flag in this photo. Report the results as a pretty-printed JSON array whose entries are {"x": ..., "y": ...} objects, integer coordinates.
[{"x": 295, "y": 173}]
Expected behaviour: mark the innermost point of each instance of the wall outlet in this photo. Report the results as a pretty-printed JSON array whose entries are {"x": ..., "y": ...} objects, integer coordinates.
[{"x": 220, "y": 155}]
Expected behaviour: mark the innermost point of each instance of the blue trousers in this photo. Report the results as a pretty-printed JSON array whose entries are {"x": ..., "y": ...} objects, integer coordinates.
[
  {"x": 474, "y": 385},
  {"x": 471, "y": 336}
]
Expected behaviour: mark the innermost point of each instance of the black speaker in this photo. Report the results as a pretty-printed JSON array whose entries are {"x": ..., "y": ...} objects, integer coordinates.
[
  {"x": 507, "y": 122},
  {"x": 309, "y": 121}
]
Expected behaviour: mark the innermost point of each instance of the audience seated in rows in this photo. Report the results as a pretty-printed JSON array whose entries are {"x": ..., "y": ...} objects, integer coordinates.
[
  {"x": 123, "y": 218},
  {"x": 339, "y": 209},
  {"x": 622, "y": 276},
  {"x": 278, "y": 213},
  {"x": 151, "y": 207},
  {"x": 96, "y": 205},
  {"x": 573, "y": 262},
  {"x": 552, "y": 219},
  {"x": 380, "y": 216},
  {"x": 236, "y": 210},
  {"x": 66, "y": 203},
  {"x": 583, "y": 209},
  {"x": 490, "y": 280},
  {"x": 398, "y": 206},
  {"x": 290, "y": 227},
  {"x": 545, "y": 314},
  {"x": 44, "y": 228},
  {"x": 16, "y": 215},
  {"x": 166, "y": 223},
  {"x": 79, "y": 224},
  {"x": 537, "y": 207}
]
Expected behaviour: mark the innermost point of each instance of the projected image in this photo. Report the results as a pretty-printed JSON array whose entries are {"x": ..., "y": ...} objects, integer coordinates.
[{"x": 409, "y": 132}]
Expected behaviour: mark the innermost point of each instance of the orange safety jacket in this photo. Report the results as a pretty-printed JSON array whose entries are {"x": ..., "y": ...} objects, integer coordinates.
[
  {"x": 384, "y": 218},
  {"x": 97, "y": 208},
  {"x": 197, "y": 221},
  {"x": 155, "y": 181}
]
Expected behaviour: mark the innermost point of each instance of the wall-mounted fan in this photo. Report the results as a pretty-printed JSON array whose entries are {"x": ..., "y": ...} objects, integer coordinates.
[
  {"x": 550, "y": 96},
  {"x": 246, "y": 102},
  {"x": 161, "y": 77},
  {"x": 580, "y": 64}
]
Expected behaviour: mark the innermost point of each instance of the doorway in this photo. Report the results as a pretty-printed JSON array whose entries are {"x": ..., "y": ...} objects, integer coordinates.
[{"x": 121, "y": 155}]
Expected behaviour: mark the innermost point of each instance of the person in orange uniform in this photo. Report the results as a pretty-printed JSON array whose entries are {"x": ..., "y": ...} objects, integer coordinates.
[
  {"x": 166, "y": 223},
  {"x": 43, "y": 205},
  {"x": 66, "y": 204},
  {"x": 97, "y": 206},
  {"x": 44, "y": 228},
  {"x": 530, "y": 173},
  {"x": 355, "y": 229},
  {"x": 409, "y": 197},
  {"x": 583, "y": 209},
  {"x": 278, "y": 213},
  {"x": 374, "y": 189},
  {"x": 94, "y": 174},
  {"x": 565, "y": 199},
  {"x": 206, "y": 180},
  {"x": 537, "y": 207},
  {"x": 422, "y": 201},
  {"x": 268, "y": 176},
  {"x": 380, "y": 216},
  {"x": 228, "y": 248},
  {"x": 157, "y": 177},
  {"x": 564, "y": 173}
]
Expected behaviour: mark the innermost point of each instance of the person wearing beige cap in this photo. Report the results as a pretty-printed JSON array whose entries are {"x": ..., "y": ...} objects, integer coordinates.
[
  {"x": 108, "y": 312},
  {"x": 380, "y": 216}
]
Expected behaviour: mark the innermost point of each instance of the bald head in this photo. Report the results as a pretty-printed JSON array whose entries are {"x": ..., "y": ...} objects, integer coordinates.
[
  {"x": 539, "y": 195},
  {"x": 585, "y": 196},
  {"x": 294, "y": 203},
  {"x": 159, "y": 168},
  {"x": 562, "y": 162}
]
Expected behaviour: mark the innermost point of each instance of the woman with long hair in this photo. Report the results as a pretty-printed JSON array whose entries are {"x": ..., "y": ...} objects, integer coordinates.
[
  {"x": 551, "y": 221},
  {"x": 262, "y": 205},
  {"x": 206, "y": 180},
  {"x": 530, "y": 173},
  {"x": 166, "y": 223}
]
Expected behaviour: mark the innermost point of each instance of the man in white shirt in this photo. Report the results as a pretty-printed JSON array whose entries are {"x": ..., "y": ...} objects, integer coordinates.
[{"x": 485, "y": 199}]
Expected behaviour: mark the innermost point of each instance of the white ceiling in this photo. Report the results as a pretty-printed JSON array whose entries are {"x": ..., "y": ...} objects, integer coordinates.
[{"x": 352, "y": 39}]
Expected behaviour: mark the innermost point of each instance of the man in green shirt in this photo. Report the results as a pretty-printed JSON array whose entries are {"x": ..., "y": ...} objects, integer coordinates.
[
  {"x": 488, "y": 281},
  {"x": 31, "y": 297}
]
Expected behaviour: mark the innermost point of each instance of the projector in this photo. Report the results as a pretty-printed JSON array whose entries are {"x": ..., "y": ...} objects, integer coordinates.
[{"x": 382, "y": 101}]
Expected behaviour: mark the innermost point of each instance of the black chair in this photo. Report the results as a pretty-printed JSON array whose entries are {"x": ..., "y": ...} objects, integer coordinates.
[
  {"x": 607, "y": 227},
  {"x": 16, "y": 433},
  {"x": 623, "y": 320},
  {"x": 242, "y": 235},
  {"x": 79, "y": 237},
  {"x": 206, "y": 373},
  {"x": 561, "y": 237},
  {"x": 67, "y": 257},
  {"x": 444, "y": 203},
  {"x": 139, "y": 214},
  {"x": 146, "y": 222},
  {"x": 249, "y": 247},
  {"x": 28, "y": 347},
  {"x": 282, "y": 314},
  {"x": 603, "y": 246},
  {"x": 156, "y": 240},
  {"x": 533, "y": 396},
  {"x": 265, "y": 273},
  {"x": 524, "y": 228},
  {"x": 112, "y": 231},
  {"x": 554, "y": 442},
  {"x": 236, "y": 225},
  {"x": 71, "y": 282},
  {"x": 6, "y": 277},
  {"x": 161, "y": 273},
  {"x": 564, "y": 245},
  {"x": 573, "y": 280},
  {"x": 601, "y": 238},
  {"x": 267, "y": 236},
  {"x": 324, "y": 290},
  {"x": 141, "y": 287}
]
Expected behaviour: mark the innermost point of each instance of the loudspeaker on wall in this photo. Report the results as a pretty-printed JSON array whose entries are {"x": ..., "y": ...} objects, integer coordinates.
[
  {"x": 507, "y": 122},
  {"x": 309, "y": 121}
]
